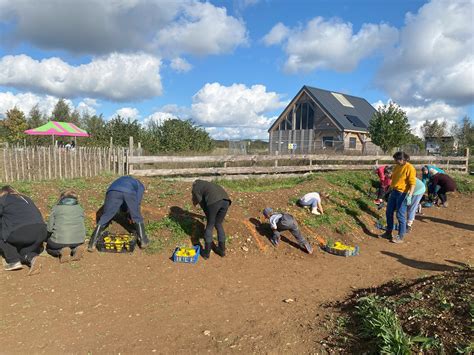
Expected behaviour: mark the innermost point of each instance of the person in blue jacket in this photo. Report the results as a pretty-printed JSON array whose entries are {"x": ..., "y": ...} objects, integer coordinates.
[
  {"x": 125, "y": 192},
  {"x": 427, "y": 174}
]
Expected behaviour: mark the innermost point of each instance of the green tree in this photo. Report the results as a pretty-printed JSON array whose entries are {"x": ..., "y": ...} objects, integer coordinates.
[
  {"x": 176, "y": 135},
  {"x": 389, "y": 127},
  {"x": 121, "y": 129},
  {"x": 36, "y": 119},
  {"x": 464, "y": 134},
  {"x": 95, "y": 126},
  {"x": 15, "y": 125},
  {"x": 75, "y": 117},
  {"x": 61, "y": 111},
  {"x": 434, "y": 129}
]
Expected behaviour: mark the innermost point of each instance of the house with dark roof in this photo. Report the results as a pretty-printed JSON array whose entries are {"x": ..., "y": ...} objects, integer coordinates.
[{"x": 319, "y": 120}]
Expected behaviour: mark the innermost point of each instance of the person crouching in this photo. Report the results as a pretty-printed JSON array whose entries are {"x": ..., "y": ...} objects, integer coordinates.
[
  {"x": 280, "y": 222},
  {"x": 66, "y": 229},
  {"x": 312, "y": 199}
]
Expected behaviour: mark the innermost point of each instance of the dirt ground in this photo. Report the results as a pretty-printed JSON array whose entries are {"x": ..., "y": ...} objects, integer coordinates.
[{"x": 141, "y": 303}]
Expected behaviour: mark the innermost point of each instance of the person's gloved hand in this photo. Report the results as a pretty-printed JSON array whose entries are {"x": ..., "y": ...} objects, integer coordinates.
[
  {"x": 408, "y": 199},
  {"x": 437, "y": 188}
]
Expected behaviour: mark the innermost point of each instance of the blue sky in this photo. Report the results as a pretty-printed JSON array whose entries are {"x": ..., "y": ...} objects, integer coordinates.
[{"x": 233, "y": 65}]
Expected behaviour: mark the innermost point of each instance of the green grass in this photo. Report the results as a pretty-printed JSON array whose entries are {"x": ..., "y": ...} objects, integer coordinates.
[
  {"x": 179, "y": 231},
  {"x": 465, "y": 183},
  {"x": 262, "y": 185}
]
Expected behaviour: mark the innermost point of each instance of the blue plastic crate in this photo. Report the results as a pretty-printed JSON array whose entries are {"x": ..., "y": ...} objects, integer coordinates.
[{"x": 187, "y": 259}]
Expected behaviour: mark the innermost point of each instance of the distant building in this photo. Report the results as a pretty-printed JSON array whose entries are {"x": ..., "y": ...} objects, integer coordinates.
[
  {"x": 437, "y": 145},
  {"x": 318, "y": 120}
]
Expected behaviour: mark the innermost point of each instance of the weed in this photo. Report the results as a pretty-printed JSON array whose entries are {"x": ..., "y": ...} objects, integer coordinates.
[
  {"x": 464, "y": 183},
  {"x": 23, "y": 187},
  {"x": 419, "y": 313},
  {"x": 382, "y": 325},
  {"x": 325, "y": 219},
  {"x": 179, "y": 232},
  {"x": 342, "y": 229}
]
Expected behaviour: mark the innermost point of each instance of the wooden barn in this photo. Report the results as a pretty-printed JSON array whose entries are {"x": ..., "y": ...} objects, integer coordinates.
[{"x": 319, "y": 120}]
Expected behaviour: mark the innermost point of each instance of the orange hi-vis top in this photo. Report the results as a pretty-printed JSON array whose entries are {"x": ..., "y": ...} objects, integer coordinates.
[{"x": 403, "y": 177}]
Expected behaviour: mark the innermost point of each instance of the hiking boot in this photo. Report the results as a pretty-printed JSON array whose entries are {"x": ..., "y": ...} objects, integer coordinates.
[
  {"x": 386, "y": 235},
  {"x": 94, "y": 237},
  {"x": 13, "y": 266},
  {"x": 315, "y": 211},
  {"x": 78, "y": 253},
  {"x": 206, "y": 252},
  {"x": 35, "y": 266},
  {"x": 220, "y": 250},
  {"x": 308, "y": 247},
  {"x": 142, "y": 237},
  {"x": 397, "y": 240},
  {"x": 65, "y": 255}
]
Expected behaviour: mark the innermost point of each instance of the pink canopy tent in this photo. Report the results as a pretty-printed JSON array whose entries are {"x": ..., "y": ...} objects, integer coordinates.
[{"x": 54, "y": 128}]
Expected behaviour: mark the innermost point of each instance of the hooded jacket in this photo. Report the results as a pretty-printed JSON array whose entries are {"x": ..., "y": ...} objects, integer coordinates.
[
  {"x": 427, "y": 177},
  {"x": 17, "y": 211},
  {"x": 206, "y": 193},
  {"x": 66, "y": 222},
  {"x": 385, "y": 181}
]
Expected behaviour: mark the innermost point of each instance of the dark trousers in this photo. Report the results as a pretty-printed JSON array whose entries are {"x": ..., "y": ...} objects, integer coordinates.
[
  {"x": 442, "y": 194},
  {"x": 215, "y": 214},
  {"x": 54, "y": 249},
  {"x": 288, "y": 223},
  {"x": 113, "y": 202},
  {"x": 382, "y": 193},
  {"x": 24, "y": 243}
]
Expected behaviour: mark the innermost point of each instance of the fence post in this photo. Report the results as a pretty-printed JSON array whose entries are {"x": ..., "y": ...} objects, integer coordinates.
[
  {"x": 5, "y": 163},
  {"x": 129, "y": 168},
  {"x": 467, "y": 160}
]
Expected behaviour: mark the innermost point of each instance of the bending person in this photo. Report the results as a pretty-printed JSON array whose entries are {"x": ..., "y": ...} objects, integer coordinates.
[
  {"x": 23, "y": 231},
  {"x": 418, "y": 194},
  {"x": 280, "y": 222},
  {"x": 427, "y": 173},
  {"x": 66, "y": 228},
  {"x": 312, "y": 199},
  {"x": 125, "y": 192},
  {"x": 402, "y": 187},
  {"x": 442, "y": 184},
  {"x": 384, "y": 173},
  {"x": 215, "y": 202}
]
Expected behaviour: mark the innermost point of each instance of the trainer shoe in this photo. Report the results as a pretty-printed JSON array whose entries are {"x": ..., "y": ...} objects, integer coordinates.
[
  {"x": 78, "y": 252},
  {"x": 65, "y": 255},
  {"x": 397, "y": 240},
  {"x": 315, "y": 211},
  {"x": 275, "y": 241},
  {"x": 35, "y": 266},
  {"x": 308, "y": 248},
  {"x": 13, "y": 266}
]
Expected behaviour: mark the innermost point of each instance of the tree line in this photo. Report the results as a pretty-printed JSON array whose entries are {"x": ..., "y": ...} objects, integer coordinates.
[
  {"x": 173, "y": 135},
  {"x": 389, "y": 129}
]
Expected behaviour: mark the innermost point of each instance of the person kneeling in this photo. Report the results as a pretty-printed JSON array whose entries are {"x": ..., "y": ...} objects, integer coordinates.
[
  {"x": 280, "y": 222},
  {"x": 312, "y": 199},
  {"x": 66, "y": 229},
  {"x": 125, "y": 192}
]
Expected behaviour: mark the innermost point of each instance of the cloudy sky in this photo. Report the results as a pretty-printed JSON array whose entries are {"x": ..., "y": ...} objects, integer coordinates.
[{"x": 233, "y": 65}]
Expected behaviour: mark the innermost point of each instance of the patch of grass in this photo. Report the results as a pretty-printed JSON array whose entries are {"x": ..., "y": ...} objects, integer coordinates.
[
  {"x": 342, "y": 229},
  {"x": 465, "y": 183},
  {"x": 262, "y": 185},
  {"x": 24, "y": 187},
  {"x": 179, "y": 231},
  {"x": 325, "y": 219}
]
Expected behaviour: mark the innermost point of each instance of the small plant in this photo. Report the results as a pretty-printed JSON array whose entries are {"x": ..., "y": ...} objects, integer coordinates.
[{"x": 382, "y": 325}]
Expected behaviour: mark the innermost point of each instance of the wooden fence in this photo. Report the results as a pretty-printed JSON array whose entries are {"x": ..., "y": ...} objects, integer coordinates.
[
  {"x": 42, "y": 163},
  {"x": 271, "y": 164}
]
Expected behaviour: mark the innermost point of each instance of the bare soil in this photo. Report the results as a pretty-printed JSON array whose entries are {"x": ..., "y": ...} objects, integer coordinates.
[{"x": 142, "y": 303}]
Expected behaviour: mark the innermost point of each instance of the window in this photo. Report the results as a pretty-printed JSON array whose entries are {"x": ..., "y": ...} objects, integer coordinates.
[
  {"x": 352, "y": 143},
  {"x": 310, "y": 117},
  {"x": 342, "y": 99},
  {"x": 328, "y": 142}
]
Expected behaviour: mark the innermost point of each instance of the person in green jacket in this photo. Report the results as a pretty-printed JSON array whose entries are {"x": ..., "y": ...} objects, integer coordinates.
[{"x": 66, "y": 229}]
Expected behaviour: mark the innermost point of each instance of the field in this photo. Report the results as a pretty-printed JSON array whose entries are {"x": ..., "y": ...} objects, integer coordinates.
[{"x": 257, "y": 299}]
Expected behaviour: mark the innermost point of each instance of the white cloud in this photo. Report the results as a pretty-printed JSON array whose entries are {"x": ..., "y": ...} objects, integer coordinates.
[
  {"x": 330, "y": 44},
  {"x": 26, "y": 101},
  {"x": 236, "y": 133},
  {"x": 201, "y": 30},
  {"x": 116, "y": 77},
  {"x": 128, "y": 112},
  {"x": 435, "y": 57},
  {"x": 101, "y": 27},
  {"x": 237, "y": 105},
  {"x": 438, "y": 110},
  {"x": 180, "y": 65},
  {"x": 277, "y": 34},
  {"x": 159, "y": 117}
]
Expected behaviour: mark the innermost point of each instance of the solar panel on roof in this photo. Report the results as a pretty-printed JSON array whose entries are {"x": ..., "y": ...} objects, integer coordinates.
[{"x": 356, "y": 122}]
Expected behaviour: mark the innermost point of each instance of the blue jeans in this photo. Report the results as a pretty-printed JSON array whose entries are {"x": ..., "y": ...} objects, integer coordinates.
[
  {"x": 113, "y": 203},
  {"x": 396, "y": 202},
  {"x": 313, "y": 202},
  {"x": 413, "y": 207}
]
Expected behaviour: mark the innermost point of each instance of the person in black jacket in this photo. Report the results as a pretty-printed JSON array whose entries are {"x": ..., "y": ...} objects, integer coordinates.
[
  {"x": 215, "y": 202},
  {"x": 124, "y": 194},
  {"x": 23, "y": 231}
]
